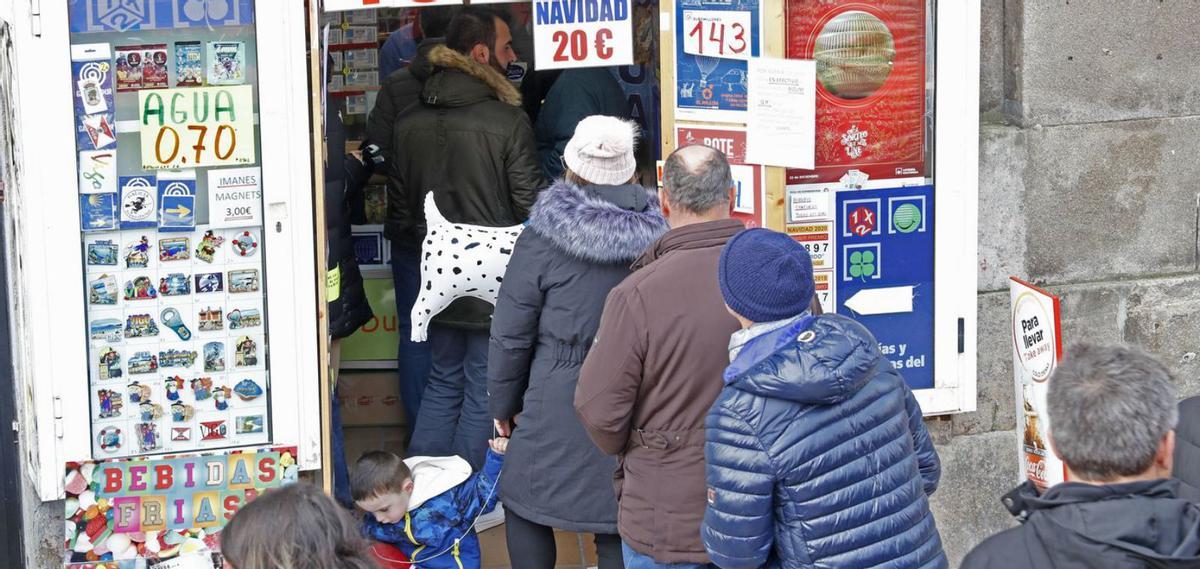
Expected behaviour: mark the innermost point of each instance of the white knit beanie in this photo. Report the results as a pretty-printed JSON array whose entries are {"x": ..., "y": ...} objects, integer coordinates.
[{"x": 601, "y": 151}]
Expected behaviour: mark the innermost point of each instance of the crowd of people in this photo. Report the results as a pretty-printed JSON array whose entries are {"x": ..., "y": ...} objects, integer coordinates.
[{"x": 659, "y": 376}]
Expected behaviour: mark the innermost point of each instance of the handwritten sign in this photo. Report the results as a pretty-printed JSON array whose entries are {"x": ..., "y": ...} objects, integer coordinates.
[
  {"x": 717, "y": 33},
  {"x": 582, "y": 33},
  {"x": 782, "y": 118},
  {"x": 184, "y": 500},
  {"x": 196, "y": 127}
]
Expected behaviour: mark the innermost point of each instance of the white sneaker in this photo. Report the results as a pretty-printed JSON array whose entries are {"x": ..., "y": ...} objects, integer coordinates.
[{"x": 490, "y": 519}]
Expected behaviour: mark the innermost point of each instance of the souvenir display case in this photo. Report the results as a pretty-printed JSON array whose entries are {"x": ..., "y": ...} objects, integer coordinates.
[{"x": 170, "y": 246}]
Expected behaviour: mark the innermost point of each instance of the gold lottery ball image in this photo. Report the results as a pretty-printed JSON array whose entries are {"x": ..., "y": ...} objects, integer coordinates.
[{"x": 854, "y": 53}]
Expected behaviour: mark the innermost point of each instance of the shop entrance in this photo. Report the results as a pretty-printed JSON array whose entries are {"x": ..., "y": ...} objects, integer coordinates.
[{"x": 364, "y": 48}]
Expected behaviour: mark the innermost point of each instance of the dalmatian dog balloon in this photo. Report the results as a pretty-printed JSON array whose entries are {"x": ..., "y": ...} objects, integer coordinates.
[{"x": 458, "y": 261}]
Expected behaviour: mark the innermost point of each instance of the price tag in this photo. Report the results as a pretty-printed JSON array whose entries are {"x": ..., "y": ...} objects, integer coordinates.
[
  {"x": 575, "y": 33},
  {"x": 723, "y": 34},
  {"x": 234, "y": 197},
  {"x": 196, "y": 127}
]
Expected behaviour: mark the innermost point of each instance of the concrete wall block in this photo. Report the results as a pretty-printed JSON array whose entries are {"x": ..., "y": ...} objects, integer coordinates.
[
  {"x": 991, "y": 57},
  {"x": 1002, "y": 211},
  {"x": 1110, "y": 201},
  {"x": 1164, "y": 318},
  {"x": 994, "y": 384},
  {"x": 1086, "y": 61},
  {"x": 976, "y": 471}
]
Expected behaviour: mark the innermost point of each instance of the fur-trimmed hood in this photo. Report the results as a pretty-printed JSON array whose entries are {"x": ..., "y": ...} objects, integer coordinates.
[
  {"x": 589, "y": 224},
  {"x": 463, "y": 81}
]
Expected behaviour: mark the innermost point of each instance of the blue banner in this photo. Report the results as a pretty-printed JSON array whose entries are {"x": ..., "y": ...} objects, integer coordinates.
[
  {"x": 885, "y": 273},
  {"x": 126, "y": 15}
]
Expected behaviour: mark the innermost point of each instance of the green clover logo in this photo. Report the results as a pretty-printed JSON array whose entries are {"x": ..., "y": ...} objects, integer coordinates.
[{"x": 862, "y": 264}]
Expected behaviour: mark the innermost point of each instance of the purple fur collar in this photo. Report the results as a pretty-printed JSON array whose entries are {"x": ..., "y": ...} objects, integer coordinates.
[{"x": 593, "y": 229}]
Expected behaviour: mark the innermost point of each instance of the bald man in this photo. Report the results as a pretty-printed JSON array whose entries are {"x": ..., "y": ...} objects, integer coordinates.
[{"x": 655, "y": 367}]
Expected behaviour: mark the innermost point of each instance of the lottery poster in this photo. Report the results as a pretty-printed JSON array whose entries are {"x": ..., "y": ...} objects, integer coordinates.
[
  {"x": 871, "y": 86},
  {"x": 713, "y": 41}
]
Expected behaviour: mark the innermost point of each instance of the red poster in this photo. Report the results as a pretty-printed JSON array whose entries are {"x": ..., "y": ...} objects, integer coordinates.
[
  {"x": 747, "y": 178},
  {"x": 870, "y": 85}
]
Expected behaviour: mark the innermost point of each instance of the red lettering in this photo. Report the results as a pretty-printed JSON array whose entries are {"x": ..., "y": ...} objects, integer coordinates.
[
  {"x": 112, "y": 480},
  {"x": 165, "y": 477},
  {"x": 232, "y": 503},
  {"x": 389, "y": 324},
  {"x": 371, "y": 325},
  {"x": 266, "y": 469}
]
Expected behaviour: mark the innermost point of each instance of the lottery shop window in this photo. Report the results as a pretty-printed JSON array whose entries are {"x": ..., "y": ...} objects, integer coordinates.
[
  {"x": 165, "y": 102},
  {"x": 866, "y": 212}
]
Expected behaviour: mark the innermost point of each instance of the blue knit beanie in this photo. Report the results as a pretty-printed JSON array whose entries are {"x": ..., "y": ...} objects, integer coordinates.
[{"x": 765, "y": 275}]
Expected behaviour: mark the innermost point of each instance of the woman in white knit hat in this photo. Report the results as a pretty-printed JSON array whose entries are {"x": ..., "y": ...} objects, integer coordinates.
[{"x": 583, "y": 234}]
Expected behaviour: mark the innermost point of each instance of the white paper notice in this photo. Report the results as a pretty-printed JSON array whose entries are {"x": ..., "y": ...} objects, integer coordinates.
[
  {"x": 781, "y": 122},
  {"x": 234, "y": 197}
]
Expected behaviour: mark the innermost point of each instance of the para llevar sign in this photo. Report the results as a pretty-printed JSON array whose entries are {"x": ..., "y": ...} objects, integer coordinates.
[{"x": 582, "y": 33}]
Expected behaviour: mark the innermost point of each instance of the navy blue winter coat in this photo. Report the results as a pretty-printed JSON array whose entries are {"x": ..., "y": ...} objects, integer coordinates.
[{"x": 817, "y": 456}]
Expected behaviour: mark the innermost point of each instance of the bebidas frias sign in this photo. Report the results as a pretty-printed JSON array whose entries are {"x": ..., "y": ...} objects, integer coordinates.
[{"x": 582, "y": 33}]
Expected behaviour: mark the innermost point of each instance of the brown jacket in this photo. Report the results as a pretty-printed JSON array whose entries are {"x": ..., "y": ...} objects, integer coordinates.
[{"x": 648, "y": 382}]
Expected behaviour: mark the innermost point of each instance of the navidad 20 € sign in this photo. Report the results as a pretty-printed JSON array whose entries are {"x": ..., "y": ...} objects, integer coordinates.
[{"x": 196, "y": 127}]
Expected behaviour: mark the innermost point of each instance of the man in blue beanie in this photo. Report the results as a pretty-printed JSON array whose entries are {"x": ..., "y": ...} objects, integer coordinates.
[{"x": 816, "y": 452}]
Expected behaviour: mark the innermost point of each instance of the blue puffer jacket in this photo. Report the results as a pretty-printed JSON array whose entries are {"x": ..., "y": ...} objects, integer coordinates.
[
  {"x": 438, "y": 534},
  {"x": 817, "y": 456}
]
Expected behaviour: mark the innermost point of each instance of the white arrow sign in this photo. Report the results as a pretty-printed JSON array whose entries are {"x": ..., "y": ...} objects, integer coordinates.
[{"x": 891, "y": 300}]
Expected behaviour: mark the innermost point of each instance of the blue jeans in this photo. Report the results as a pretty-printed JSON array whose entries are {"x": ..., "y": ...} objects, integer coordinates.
[
  {"x": 412, "y": 358},
  {"x": 635, "y": 560},
  {"x": 454, "y": 417},
  {"x": 341, "y": 472}
]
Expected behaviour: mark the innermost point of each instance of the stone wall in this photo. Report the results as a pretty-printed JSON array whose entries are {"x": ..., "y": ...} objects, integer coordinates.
[{"x": 1088, "y": 186}]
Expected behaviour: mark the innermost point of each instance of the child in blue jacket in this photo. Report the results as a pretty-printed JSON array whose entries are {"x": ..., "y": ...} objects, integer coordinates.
[{"x": 427, "y": 506}]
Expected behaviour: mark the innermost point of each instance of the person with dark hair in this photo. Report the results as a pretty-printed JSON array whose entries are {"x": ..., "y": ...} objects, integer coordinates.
[
  {"x": 400, "y": 90},
  {"x": 427, "y": 506},
  {"x": 470, "y": 144},
  {"x": 804, "y": 390},
  {"x": 1113, "y": 414},
  {"x": 655, "y": 367},
  {"x": 297, "y": 527}
]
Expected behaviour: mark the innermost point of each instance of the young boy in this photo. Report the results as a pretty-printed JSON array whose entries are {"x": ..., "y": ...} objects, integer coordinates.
[
  {"x": 427, "y": 506},
  {"x": 816, "y": 454}
]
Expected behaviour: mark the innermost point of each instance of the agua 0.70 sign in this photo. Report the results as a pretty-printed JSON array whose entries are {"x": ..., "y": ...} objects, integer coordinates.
[{"x": 196, "y": 127}]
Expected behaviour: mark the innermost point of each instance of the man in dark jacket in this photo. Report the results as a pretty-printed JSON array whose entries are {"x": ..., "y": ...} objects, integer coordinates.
[
  {"x": 804, "y": 391},
  {"x": 1112, "y": 421},
  {"x": 401, "y": 90},
  {"x": 470, "y": 144},
  {"x": 1187, "y": 449},
  {"x": 655, "y": 367},
  {"x": 577, "y": 94}
]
